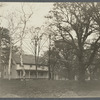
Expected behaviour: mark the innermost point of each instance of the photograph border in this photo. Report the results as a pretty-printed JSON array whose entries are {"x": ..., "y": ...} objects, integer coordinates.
[{"x": 46, "y": 1}]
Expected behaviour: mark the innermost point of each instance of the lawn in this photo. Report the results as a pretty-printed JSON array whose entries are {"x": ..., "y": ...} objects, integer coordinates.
[{"x": 48, "y": 89}]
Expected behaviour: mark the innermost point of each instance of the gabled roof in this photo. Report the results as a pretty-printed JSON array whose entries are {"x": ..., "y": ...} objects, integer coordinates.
[{"x": 28, "y": 59}]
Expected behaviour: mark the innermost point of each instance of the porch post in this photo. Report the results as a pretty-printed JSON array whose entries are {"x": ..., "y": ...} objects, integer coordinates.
[
  {"x": 29, "y": 74},
  {"x": 20, "y": 74},
  {"x": 37, "y": 74}
]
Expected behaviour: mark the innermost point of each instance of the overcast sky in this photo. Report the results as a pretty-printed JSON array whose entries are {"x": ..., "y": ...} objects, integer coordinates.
[{"x": 39, "y": 11}]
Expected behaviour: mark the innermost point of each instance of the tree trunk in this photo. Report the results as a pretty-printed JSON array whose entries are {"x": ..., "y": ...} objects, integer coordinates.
[
  {"x": 21, "y": 60},
  {"x": 49, "y": 55},
  {"x": 69, "y": 73},
  {"x": 10, "y": 57},
  {"x": 81, "y": 73},
  {"x": 0, "y": 59},
  {"x": 69, "y": 76},
  {"x": 52, "y": 73},
  {"x": 36, "y": 58},
  {"x": 1, "y": 67}
]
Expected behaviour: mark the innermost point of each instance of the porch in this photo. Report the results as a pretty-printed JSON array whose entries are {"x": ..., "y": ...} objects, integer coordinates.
[{"x": 32, "y": 74}]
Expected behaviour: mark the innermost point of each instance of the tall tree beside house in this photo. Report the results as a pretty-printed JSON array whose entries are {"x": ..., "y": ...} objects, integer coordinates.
[
  {"x": 17, "y": 25},
  {"x": 78, "y": 22},
  {"x": 24, "y": 18},
  {"x": 4, "y": 44},
  {"x": 36, "y": 44},
  {"x": 0, "y": 51},
  {"x": 54, "y": 58},
  {"x": 5, "y": 48},
  {"x": 13, "y": 33}
]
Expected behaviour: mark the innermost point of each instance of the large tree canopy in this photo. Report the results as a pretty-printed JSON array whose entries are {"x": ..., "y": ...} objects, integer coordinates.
[{"x": 79, "y": 23}]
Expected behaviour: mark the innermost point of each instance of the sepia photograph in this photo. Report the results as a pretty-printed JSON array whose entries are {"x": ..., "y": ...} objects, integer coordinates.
[{"x": 49, "y": 49}]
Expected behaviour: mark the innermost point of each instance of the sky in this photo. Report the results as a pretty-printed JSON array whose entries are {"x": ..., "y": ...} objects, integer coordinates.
[
  {"x": 14, "y": 8},
  {"x": 39, "y": 10}
]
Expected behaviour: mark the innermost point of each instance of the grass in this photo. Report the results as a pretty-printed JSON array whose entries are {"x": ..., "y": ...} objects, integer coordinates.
[{"x": 48, "y": 88}]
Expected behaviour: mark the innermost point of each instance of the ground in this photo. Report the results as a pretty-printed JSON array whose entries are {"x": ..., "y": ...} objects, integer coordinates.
[{"x": 48, "y": 89}]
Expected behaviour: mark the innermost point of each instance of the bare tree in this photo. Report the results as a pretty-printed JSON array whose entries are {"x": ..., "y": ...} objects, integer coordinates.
[
  {"x": 37, "y": 43},
  {"x": 14, "y": 29},
  {"x": 18, "y": 30},
  {"x": 24, "y": 18}
]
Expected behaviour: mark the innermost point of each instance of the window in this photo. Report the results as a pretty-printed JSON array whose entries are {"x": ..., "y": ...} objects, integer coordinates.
[
  {"x": 18, "y": 72},
  {"x": 31, "y": 73},
  {"x": 43, "y": 67},
  {"x": 41, "y": 73}
]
